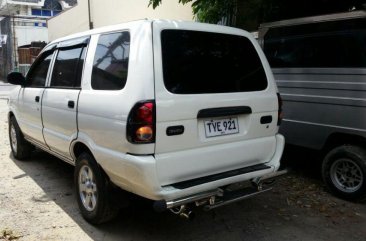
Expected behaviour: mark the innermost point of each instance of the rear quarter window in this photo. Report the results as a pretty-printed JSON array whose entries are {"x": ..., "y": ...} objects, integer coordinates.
[
  {"x": 197, "y": 62},
  {"x": 110, "y": 67}
]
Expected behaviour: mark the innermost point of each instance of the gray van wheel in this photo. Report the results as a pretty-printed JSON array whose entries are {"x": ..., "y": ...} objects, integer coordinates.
[
  {"x": 93, "y": 191},
  {"x": 344, "y": 172},
  {"x": 20, "y": 147}
]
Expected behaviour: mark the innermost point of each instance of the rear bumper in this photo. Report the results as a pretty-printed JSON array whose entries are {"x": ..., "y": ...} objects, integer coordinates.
[
  {"x": 138, "y": 174},
  {"x": 221, "y": 197}
]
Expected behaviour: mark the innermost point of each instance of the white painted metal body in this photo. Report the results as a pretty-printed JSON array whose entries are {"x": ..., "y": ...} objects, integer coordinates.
[{"x": 100, "y": 118}]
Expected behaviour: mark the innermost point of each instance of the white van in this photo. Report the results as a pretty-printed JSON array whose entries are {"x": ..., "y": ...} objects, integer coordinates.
[{"x": 172, "y": 111}]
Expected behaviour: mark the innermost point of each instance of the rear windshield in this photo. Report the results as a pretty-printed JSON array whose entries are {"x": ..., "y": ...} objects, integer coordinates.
[{"x": 201, "y": 62}]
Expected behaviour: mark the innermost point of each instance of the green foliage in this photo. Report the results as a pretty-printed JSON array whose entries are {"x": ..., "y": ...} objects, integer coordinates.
[
  {"x": 210, "y": 11},
  {"x": 248, "y": 14}
]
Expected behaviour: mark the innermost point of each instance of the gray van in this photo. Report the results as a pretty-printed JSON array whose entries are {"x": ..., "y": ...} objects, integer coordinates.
[{"x": 319, "y": 64}]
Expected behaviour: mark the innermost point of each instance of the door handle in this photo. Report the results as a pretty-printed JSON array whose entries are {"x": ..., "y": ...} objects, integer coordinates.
[
  {"x": 71, "y": 104},
  {"x": 224, "y": 111},
  {"x": 36, "y": 99}
]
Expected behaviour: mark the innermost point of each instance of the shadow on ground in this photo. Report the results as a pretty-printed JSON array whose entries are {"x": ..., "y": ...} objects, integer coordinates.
[
  {"x": 139, "y": 221},
  {"x": 303, "y": 161},
  {"x": 269, "y": 216}
]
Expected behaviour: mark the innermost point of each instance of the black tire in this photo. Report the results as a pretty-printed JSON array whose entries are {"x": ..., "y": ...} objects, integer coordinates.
[
  {"x": 99, "y": 190},
  {"x": 20, "y": 147},
  {"x": 344, "y": 172}
]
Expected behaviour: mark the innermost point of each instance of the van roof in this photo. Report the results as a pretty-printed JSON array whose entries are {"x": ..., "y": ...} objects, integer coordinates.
[
  {"x": 130, "y": 25},
  {"x": 314, "y": 19},
  {"x": 102, "y": 29}
]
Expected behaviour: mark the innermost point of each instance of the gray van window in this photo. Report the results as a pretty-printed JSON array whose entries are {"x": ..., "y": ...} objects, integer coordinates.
[
  {"x": 335, "y": 44},
  {"x": 110, "y": 65},
  {"x": 197, "y": 62}
]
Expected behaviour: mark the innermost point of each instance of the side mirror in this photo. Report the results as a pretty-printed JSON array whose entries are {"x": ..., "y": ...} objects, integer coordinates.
[{"x": 16, "y": 78}]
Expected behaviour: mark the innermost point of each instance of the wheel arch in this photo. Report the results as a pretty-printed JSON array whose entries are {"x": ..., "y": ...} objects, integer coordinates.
[
  {"x": 78, "y": 147},
  {"x": 339, "y": 138}
]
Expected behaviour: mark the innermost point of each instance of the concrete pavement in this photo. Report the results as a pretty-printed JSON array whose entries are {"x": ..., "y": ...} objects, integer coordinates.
[{"x": 5, "y": 89}]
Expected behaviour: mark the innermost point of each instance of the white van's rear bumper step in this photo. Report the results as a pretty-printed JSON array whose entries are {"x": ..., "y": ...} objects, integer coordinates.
[
  {"x": 222, "y": 196},
  {"x": 235, "y": 196},
  {"x": 218, "y": 176},
  {"x": 261, "y": 185}
]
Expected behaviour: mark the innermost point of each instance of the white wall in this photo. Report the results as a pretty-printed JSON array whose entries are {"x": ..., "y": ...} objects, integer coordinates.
[
  {"x": 70, "y": 21},
  {"x": 27, "y": 34},
  {"x": 107, "y": 12}
]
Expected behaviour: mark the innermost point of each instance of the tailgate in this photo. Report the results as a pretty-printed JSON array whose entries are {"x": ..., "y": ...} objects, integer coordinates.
[{"x": 216, "y": 105}]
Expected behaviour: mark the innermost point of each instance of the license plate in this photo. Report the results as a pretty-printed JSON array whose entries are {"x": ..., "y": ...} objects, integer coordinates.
[{"x": 221, "y": 127}]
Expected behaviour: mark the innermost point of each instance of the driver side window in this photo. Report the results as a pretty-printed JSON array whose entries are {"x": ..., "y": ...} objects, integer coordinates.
[{"x": 38, "y": 74}]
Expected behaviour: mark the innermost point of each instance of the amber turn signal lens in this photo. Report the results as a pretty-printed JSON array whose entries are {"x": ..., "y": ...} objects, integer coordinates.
[{"x": 144, "y": 133}]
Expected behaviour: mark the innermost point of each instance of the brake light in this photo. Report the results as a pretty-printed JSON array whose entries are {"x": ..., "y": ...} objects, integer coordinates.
[
  {"x": 280, "y": 112},
  {"x": 141, "y": 123}
]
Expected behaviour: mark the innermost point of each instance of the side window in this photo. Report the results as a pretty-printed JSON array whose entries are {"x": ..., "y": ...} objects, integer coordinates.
[
  {"x": 38, "y": 74},
  {"x": 68, "y": 68},
  {"x": 110, "y": 65},
  {"x": 333, "y": 44}
]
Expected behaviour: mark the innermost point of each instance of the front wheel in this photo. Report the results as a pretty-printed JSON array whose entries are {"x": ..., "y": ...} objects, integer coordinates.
[
  {"x": 20, "y": 147},
  {"x": 344, "y": 172},
  {"x": 93, "y": 191}
]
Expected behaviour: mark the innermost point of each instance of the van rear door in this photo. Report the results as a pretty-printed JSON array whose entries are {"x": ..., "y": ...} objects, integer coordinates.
[{"x": 216, "y": 103}]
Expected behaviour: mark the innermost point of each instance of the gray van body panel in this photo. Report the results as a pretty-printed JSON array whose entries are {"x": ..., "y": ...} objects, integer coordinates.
[{"x": 320, "y": 102}]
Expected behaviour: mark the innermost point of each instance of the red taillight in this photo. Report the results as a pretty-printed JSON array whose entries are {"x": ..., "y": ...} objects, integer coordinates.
[
  {"x": 145, "y": 112},
  {"x": 280, "y": 113},
  {"x": 141, "y": 123}
]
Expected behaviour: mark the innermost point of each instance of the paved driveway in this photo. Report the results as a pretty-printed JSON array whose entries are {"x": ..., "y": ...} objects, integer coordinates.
[
  {"x": 37, "y": 203},
  {"x": 5, "y": 89}
]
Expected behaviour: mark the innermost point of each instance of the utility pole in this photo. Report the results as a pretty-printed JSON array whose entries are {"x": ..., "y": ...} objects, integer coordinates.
[
  {"x": 89, "y": 13},
  {"x": 14, "y": 44}
]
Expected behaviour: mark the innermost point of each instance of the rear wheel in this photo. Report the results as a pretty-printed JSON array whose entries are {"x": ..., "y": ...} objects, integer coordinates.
[
  {"x": 93, "y": 191},
  {"x": 344, "y": 172},
  {"x": 20, "y": 147}
]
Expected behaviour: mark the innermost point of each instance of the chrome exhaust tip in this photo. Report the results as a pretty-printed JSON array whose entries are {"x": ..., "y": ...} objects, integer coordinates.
[
  {"x": 183, "y": 211},
  {"x": 162, "y": 205}
]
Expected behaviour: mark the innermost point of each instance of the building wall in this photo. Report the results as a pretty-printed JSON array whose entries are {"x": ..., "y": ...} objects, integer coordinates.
[
  {"x": 27, "y": 34},
  {"x": 26, "y": 24},
  {"x": 109, "y": 12},
  {"x": 70, "y": 21},
  {"x": 126, "y": 10}
]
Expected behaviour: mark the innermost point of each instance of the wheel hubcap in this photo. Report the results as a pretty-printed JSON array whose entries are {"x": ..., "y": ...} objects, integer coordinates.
[
  {"x": 346, "y": 175},
  {"x": 13, "y": 137},
  {"x": 87, "y": 188}
]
